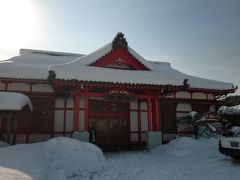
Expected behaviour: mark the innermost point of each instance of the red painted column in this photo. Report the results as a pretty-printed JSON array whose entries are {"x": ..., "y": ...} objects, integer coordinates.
[
  {"x": 65, "y": 116},
  {"x": 157, "y": 114},
  {"x": 160, "y": 121},
  {"x": 149, "y": 114},
  {"x": 76, "y": 111},
  {"x": 139, "y": 122},
  {"x": 86, "y": 111}
]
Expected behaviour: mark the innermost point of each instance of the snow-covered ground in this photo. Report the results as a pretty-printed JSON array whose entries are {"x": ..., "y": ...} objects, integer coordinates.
[
  {"x": 64, "y": 158},
  {"x": 57, "y": 159}
]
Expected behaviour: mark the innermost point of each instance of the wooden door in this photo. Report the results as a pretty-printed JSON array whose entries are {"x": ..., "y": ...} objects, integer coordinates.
[
  {"x": 168, "y": 117},
  {"x": 111, "y": 122},
  {"x": 40, "y": 120}
]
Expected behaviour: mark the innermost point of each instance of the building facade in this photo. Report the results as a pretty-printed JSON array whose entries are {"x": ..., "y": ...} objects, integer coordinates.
[{"x": 114, "y": 90}]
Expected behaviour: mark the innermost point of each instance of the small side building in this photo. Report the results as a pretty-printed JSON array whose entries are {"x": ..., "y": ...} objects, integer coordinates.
[
  {"x": 113, "y": 90},
  {"x": 12, "y": 104}
]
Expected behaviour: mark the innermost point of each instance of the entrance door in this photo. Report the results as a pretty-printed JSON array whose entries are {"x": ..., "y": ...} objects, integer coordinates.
[
  {"x": 169, "y": 122},
  {"x": 111, "y": 122}
]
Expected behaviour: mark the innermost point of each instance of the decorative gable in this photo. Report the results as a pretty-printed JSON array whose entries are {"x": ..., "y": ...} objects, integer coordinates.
[{"x": 119, "y": 57}]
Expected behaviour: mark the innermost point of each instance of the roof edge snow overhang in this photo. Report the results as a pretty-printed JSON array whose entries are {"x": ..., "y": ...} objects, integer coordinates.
[
  {"x": 52, "y": 53},
  {"x": 14, "y": 101}
]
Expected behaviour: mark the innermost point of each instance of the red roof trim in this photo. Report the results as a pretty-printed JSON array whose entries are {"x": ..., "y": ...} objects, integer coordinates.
[{"x": 120, "y": 53}]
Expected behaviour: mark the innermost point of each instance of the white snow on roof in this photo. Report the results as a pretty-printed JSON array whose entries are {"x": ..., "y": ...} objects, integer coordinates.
[
  {"x": 233, "y": 110},
  {"x": 14, "y": 101},
  {"x": 33, "y": 64},
  {"x": 159, "y": 74}
]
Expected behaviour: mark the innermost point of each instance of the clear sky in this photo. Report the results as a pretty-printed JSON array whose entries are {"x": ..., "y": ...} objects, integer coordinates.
[{"x": 198, "y": 37}]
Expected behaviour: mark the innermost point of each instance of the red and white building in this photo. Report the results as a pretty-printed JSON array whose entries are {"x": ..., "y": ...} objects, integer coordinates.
[{"x": 127, "y": 99}]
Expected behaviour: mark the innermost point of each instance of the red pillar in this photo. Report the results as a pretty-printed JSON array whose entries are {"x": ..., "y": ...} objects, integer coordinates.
[
  {"x": 86, "y": 111},
  {"x": 76, "y": 112},
  {"x": 65, "y": 116},
  {"x": 149, "y": 114},
  {"x": 139, "y": 122},
  {"x": 157, "y": 114}
]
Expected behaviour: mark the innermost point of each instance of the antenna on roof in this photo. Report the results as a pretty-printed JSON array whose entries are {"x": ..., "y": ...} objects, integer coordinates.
[{"x": 119, "y": 41}]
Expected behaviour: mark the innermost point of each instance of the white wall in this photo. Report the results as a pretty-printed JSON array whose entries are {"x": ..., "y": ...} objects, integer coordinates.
[
  {"x": 199, "y": 95},
  {"x": 70, "y": 102},
  {"x": 15, "y": 86},
  {"x": 211, "y": 96},
  {"x": 69, "y": 120},
  {"x": 58, "y": 120},
  {"x": 133, "y": 121},
  {"x": 183, "y": 110},
  {"x": 2, "y": 86},
  {"x": 69, "y": 114},
  {"x": 59, "y": 103},
  {"x": 81, "y": 120},
  {"x": 184, "y": 107},
  {"x": 134, "y": 129},
  {"x": 182, "y": 94},
  {"x": 18, "y": 87},
  {"x": 42, "y": 88},
  {"x": 144, "y": 121},
  {"x": 143, "y": 105},
  {"x": 133, "y": 104}
]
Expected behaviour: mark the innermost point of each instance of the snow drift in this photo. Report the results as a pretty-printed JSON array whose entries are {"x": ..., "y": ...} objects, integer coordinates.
[{"x": 59, "y": 158}]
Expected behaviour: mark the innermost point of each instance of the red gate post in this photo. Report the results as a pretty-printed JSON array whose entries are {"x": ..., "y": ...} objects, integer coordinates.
[
  {"x": 76, "y": 111},
  {"x": 157, "y": 114},
  {"x": 86, "y": 110},
  {"x": 149, "y": 113}
]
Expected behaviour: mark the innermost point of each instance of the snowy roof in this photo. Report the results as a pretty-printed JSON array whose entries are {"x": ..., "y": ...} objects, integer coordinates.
[
  {"x": 33, "y": 64},
  {"x": 229, "y": 111},
  {"x": 14, "y": 101},
  {"x": 160, "y": 73}
]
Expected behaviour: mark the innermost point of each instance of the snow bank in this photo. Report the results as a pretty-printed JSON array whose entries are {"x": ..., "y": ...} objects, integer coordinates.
[
  {"x": 64, "y": 158},
  {"x": 59, "y": 158},
  {"x": 14, "y": 101},
  {"x": 181, "y": 159},
  {"x": 229, "y": 111},
  {"x": 70, "y": 158},
  {"x": 3, "y": 144},
  {"x": 184, "y": 146}
]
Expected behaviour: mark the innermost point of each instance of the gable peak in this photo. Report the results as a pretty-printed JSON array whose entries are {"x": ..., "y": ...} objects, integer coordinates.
[{"x": 119, "y": 41}]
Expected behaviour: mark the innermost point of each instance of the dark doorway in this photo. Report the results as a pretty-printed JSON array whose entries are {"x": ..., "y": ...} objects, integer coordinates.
[
  {"x": 168, "y": 120},
  {"x": 110, "y": 119}
]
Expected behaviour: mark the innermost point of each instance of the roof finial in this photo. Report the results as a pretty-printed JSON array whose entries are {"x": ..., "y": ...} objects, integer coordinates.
[
  {"x": 51, "y": 75},
  {"x": 186, "y": 84},
  {"x": 119, "y": 41}
]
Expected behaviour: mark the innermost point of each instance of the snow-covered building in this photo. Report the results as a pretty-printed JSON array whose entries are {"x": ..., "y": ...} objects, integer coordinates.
[{"x": 127, "y": 99}]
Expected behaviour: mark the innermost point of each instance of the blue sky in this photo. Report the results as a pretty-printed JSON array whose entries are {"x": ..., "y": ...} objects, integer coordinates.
[{"x": 198, "y": 37}]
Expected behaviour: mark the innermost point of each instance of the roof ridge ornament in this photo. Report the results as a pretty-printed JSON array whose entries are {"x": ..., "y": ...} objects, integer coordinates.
[
  {"x": 119, "y": 41},
  {"x": 51, "y": 75}
]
